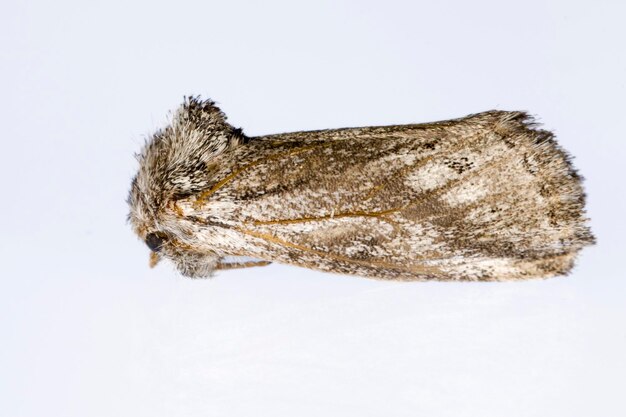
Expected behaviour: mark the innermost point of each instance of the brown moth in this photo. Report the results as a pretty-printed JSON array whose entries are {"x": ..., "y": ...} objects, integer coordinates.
[{"x": 486, "y": 197}]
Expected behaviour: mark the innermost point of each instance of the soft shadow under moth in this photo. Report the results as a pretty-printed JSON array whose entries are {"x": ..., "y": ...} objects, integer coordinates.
[{"x": 487, "y": 197}]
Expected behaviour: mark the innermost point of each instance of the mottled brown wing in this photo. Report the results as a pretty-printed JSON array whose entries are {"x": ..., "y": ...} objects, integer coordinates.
[{"x": 486, "y": 197}]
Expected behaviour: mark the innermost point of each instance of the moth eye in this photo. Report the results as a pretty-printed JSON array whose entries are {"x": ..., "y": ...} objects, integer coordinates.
[{"x": 155, "y": 241}]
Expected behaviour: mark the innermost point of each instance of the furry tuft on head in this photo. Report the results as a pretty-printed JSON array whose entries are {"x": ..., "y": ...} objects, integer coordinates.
[{"x": 175, "y": 161}]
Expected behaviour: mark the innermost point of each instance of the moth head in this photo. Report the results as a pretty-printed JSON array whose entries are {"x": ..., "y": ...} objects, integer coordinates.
[
  {"x": 176, "y": 162},
  {"x": 189, "y": 262}
]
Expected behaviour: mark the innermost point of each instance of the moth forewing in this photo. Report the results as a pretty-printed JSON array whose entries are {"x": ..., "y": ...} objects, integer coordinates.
[{"x": 486, "y": 197}]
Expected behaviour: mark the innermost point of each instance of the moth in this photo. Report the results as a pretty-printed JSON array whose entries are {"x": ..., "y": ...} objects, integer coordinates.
[{"x": 487, "y": 197}]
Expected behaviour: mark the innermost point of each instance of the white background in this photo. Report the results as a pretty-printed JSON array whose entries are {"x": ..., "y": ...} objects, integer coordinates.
[{"x": 86, "y": 329}]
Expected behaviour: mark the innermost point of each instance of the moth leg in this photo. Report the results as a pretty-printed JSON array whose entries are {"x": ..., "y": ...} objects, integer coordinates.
[{"x": 240, "y": 265}]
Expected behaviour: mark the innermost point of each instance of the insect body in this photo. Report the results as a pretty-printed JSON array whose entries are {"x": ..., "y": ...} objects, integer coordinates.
[{"x": 485, "y": 197}]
